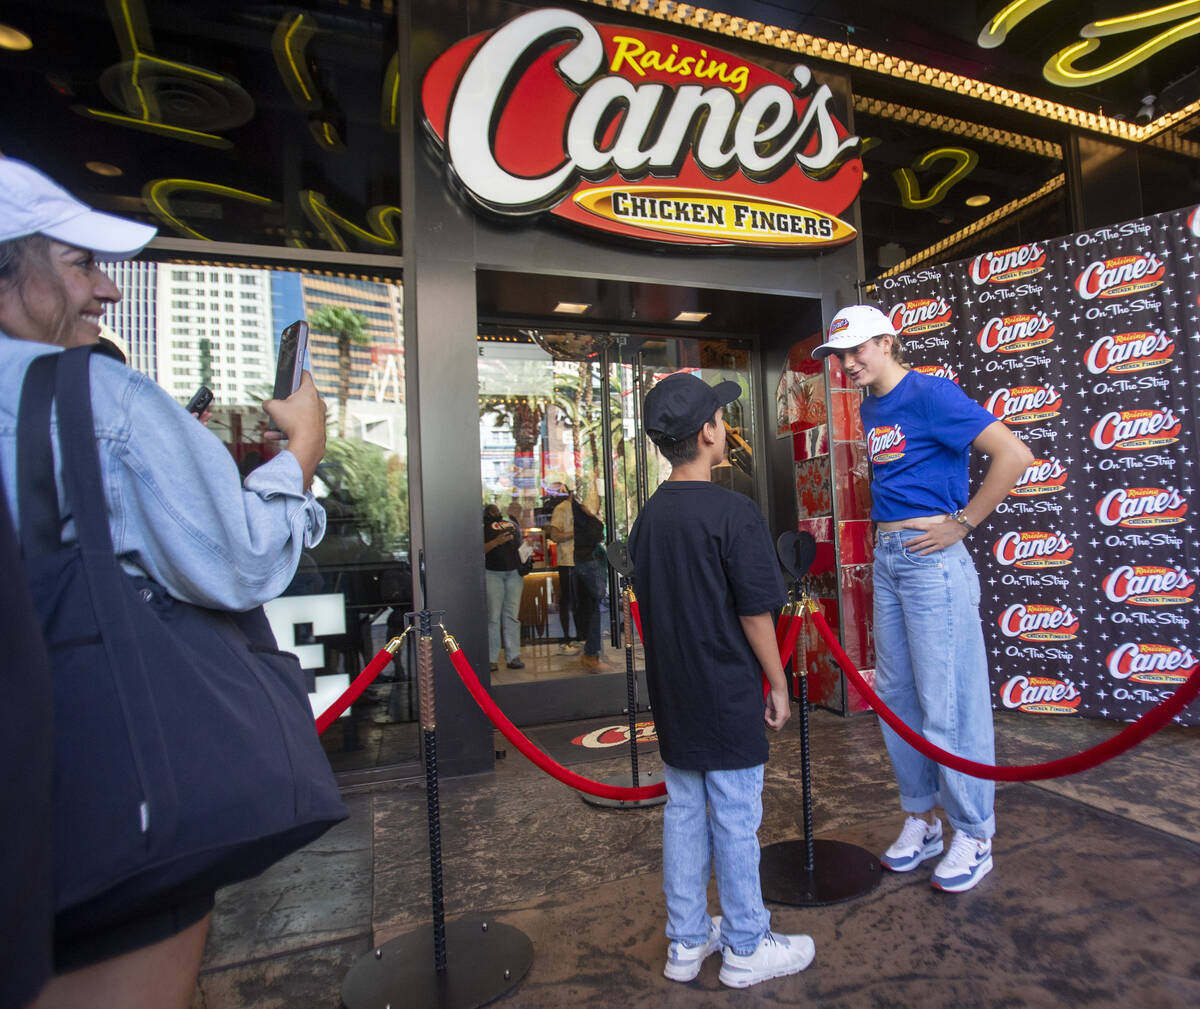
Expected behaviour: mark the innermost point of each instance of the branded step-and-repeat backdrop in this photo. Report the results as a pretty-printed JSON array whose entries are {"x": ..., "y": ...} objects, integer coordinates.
[{"x": 1088, "y": 347}]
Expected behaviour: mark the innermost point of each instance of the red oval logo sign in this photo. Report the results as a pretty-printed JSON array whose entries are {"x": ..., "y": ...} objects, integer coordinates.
[{"x": 641, "y": 134}]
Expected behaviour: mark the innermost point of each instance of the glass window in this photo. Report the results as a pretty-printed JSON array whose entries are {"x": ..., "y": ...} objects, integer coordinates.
[{"x": 351, "y": 590}]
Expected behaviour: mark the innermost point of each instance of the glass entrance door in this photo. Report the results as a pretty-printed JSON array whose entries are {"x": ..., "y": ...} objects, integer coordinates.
[{"x": 562, "y": 448}]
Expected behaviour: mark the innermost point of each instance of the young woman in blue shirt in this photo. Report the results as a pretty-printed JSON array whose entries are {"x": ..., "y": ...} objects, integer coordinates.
[{"x": 930, "y": 660}]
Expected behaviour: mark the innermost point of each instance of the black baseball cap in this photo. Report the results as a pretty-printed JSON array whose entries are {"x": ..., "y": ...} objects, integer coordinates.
[{"x": 681, "y": 404}]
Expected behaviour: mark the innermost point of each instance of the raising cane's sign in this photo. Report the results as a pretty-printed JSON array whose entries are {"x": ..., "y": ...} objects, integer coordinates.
[{"x": 642, "y": 135}]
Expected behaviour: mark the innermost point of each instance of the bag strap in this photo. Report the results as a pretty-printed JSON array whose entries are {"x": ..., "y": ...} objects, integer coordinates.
[
  {"x": 37, "y": 495},
  {"x": 80, "y": 452}
]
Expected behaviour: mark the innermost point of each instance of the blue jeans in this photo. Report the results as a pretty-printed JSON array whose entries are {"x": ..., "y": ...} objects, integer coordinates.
[
  {"x": 711, "y": 821},
  {"x": 590, "y": 585},
  {"x": 504, "y": 599},
  {"x": 931, "y": 670}
]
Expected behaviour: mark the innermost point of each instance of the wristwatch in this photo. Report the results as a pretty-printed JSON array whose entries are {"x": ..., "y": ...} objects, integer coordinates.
[{"x": 960, "y": 517}]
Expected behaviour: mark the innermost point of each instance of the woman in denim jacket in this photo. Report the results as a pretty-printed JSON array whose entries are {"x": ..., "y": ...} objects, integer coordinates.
[{"x": 179, "y": 514}]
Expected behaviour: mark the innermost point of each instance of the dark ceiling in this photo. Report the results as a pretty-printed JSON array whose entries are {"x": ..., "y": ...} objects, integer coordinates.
[
  {"x": 945, "y": 34},
  {"x": 273, "y": 162}
]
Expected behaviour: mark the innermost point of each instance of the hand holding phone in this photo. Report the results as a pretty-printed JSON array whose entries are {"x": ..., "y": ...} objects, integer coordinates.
[
  {"x": 300, "y": 419},
  {"x": 289, "y": 367},
  {"x": 200, "y": 401}
]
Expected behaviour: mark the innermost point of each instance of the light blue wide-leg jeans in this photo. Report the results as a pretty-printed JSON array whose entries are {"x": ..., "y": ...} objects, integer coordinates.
[
  {"x": 711, "y": 821},
  {"x": 504, "y": 600},
  {"x": 931, "y": 670}
]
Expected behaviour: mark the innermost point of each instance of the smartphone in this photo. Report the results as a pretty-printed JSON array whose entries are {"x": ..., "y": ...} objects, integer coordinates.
[
  {"x": 200, "y": 402},
  {"x": 293, "y": 345}
]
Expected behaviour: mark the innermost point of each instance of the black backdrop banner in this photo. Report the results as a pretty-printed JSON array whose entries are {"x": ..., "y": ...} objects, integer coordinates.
[{"x": 1088, "y": 347}]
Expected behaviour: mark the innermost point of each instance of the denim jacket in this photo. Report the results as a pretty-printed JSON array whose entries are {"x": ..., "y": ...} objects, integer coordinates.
[{"x": 178, "y": 509}]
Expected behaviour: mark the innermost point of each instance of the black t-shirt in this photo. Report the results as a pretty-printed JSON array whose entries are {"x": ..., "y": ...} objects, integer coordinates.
[
  {"x": 503, "y": 557},
  {"x": 703, "y": 558}
]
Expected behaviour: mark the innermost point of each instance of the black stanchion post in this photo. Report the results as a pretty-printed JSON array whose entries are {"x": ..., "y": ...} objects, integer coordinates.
[
  {"x": 811, "y": 872},
  {"x": 805, "y": 757},
  {"x": 417, "y": 969},
  {"x": 618, "y": 558},
  {"x": 429, "y": 735}
]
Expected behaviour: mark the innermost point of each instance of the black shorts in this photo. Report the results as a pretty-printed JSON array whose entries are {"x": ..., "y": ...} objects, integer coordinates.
[{"x": 92, "y": 932}]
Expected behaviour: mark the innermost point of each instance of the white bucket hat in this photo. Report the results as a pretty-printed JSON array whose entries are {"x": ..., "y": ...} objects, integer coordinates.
[
  {"x": 852, "y": 327},
  {"x": 32, "y": 204}
]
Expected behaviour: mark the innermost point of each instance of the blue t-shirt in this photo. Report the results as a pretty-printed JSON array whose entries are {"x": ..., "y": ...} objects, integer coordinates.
[{"x": 918, "y": 439}]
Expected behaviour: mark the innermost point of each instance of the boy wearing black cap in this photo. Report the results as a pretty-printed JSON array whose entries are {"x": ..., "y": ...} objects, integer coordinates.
[{"x": 707, "y": 579}]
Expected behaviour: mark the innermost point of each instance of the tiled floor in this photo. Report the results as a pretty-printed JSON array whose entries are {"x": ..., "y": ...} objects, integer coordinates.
[{"x": 1092, "y": 902}]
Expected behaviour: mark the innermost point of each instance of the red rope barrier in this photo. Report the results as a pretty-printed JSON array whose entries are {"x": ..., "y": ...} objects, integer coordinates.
[
  {"x": 787, "y": 650},
  {"x": 1130, "y": 736},
  {"x": 527, "y": 747},
  {"x": 354, "y": 691}
]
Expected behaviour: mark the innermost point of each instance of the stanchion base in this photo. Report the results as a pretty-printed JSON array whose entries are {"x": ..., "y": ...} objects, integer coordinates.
[
  {"x": 484, "y": 960},
  {"x": 625, "y": 780},
  {"x": 840, "y": 872}
]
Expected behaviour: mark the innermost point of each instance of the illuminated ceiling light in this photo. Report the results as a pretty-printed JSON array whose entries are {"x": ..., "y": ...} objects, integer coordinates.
[
  {"x": 882, "y": 63},
  {"x": 996, "y": 31},
  {"x": 571, "y": 307},
  {"x": 103, "y": 168},
  {"x": 692, "y": 316},
  {"x": 12, "y": 38},
  {"x": 979, "y": 200}
]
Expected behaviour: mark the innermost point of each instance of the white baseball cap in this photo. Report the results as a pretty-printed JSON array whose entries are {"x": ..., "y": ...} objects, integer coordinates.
[
  {"x": 852, "y": 327},
  {"x": 33, "y": 204}
]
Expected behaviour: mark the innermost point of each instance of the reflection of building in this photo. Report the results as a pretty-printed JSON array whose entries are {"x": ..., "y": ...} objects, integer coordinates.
[
  {"x": 133, "y": 318},
  {"x": 214, "y": 329},
  {"x": 377, "y": 365}
]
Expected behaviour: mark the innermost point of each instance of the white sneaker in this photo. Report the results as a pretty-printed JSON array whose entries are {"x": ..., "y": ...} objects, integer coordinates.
[
  {"x": 566, "y": 648},
  {"x": 777, "y": 956},
  {"x": 966, "y": 863},
  {"x": 917, "y": 842},
  {"x": 683, "y": 962}
]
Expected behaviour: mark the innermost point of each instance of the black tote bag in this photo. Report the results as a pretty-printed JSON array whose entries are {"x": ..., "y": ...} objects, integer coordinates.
[{"x": 186, "y": 757}]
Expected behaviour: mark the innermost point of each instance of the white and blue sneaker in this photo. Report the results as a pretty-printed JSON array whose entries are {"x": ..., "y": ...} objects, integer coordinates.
[
  {"x": 918, "y": 841},
  {"x": 683, "y": 962},
  {"x": 966, "y": 863},
  {"x": 776, "y": 956}
]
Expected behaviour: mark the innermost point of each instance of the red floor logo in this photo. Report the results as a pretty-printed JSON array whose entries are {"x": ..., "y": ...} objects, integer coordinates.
[{"x": 615, "y": 735}]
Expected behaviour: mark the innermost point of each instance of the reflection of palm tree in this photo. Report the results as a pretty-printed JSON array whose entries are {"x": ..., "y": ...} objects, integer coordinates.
[{"x": 349, "y": 328}]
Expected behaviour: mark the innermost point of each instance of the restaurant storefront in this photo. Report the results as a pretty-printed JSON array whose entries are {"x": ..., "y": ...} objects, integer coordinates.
[{"x": 504, "y": 222}]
